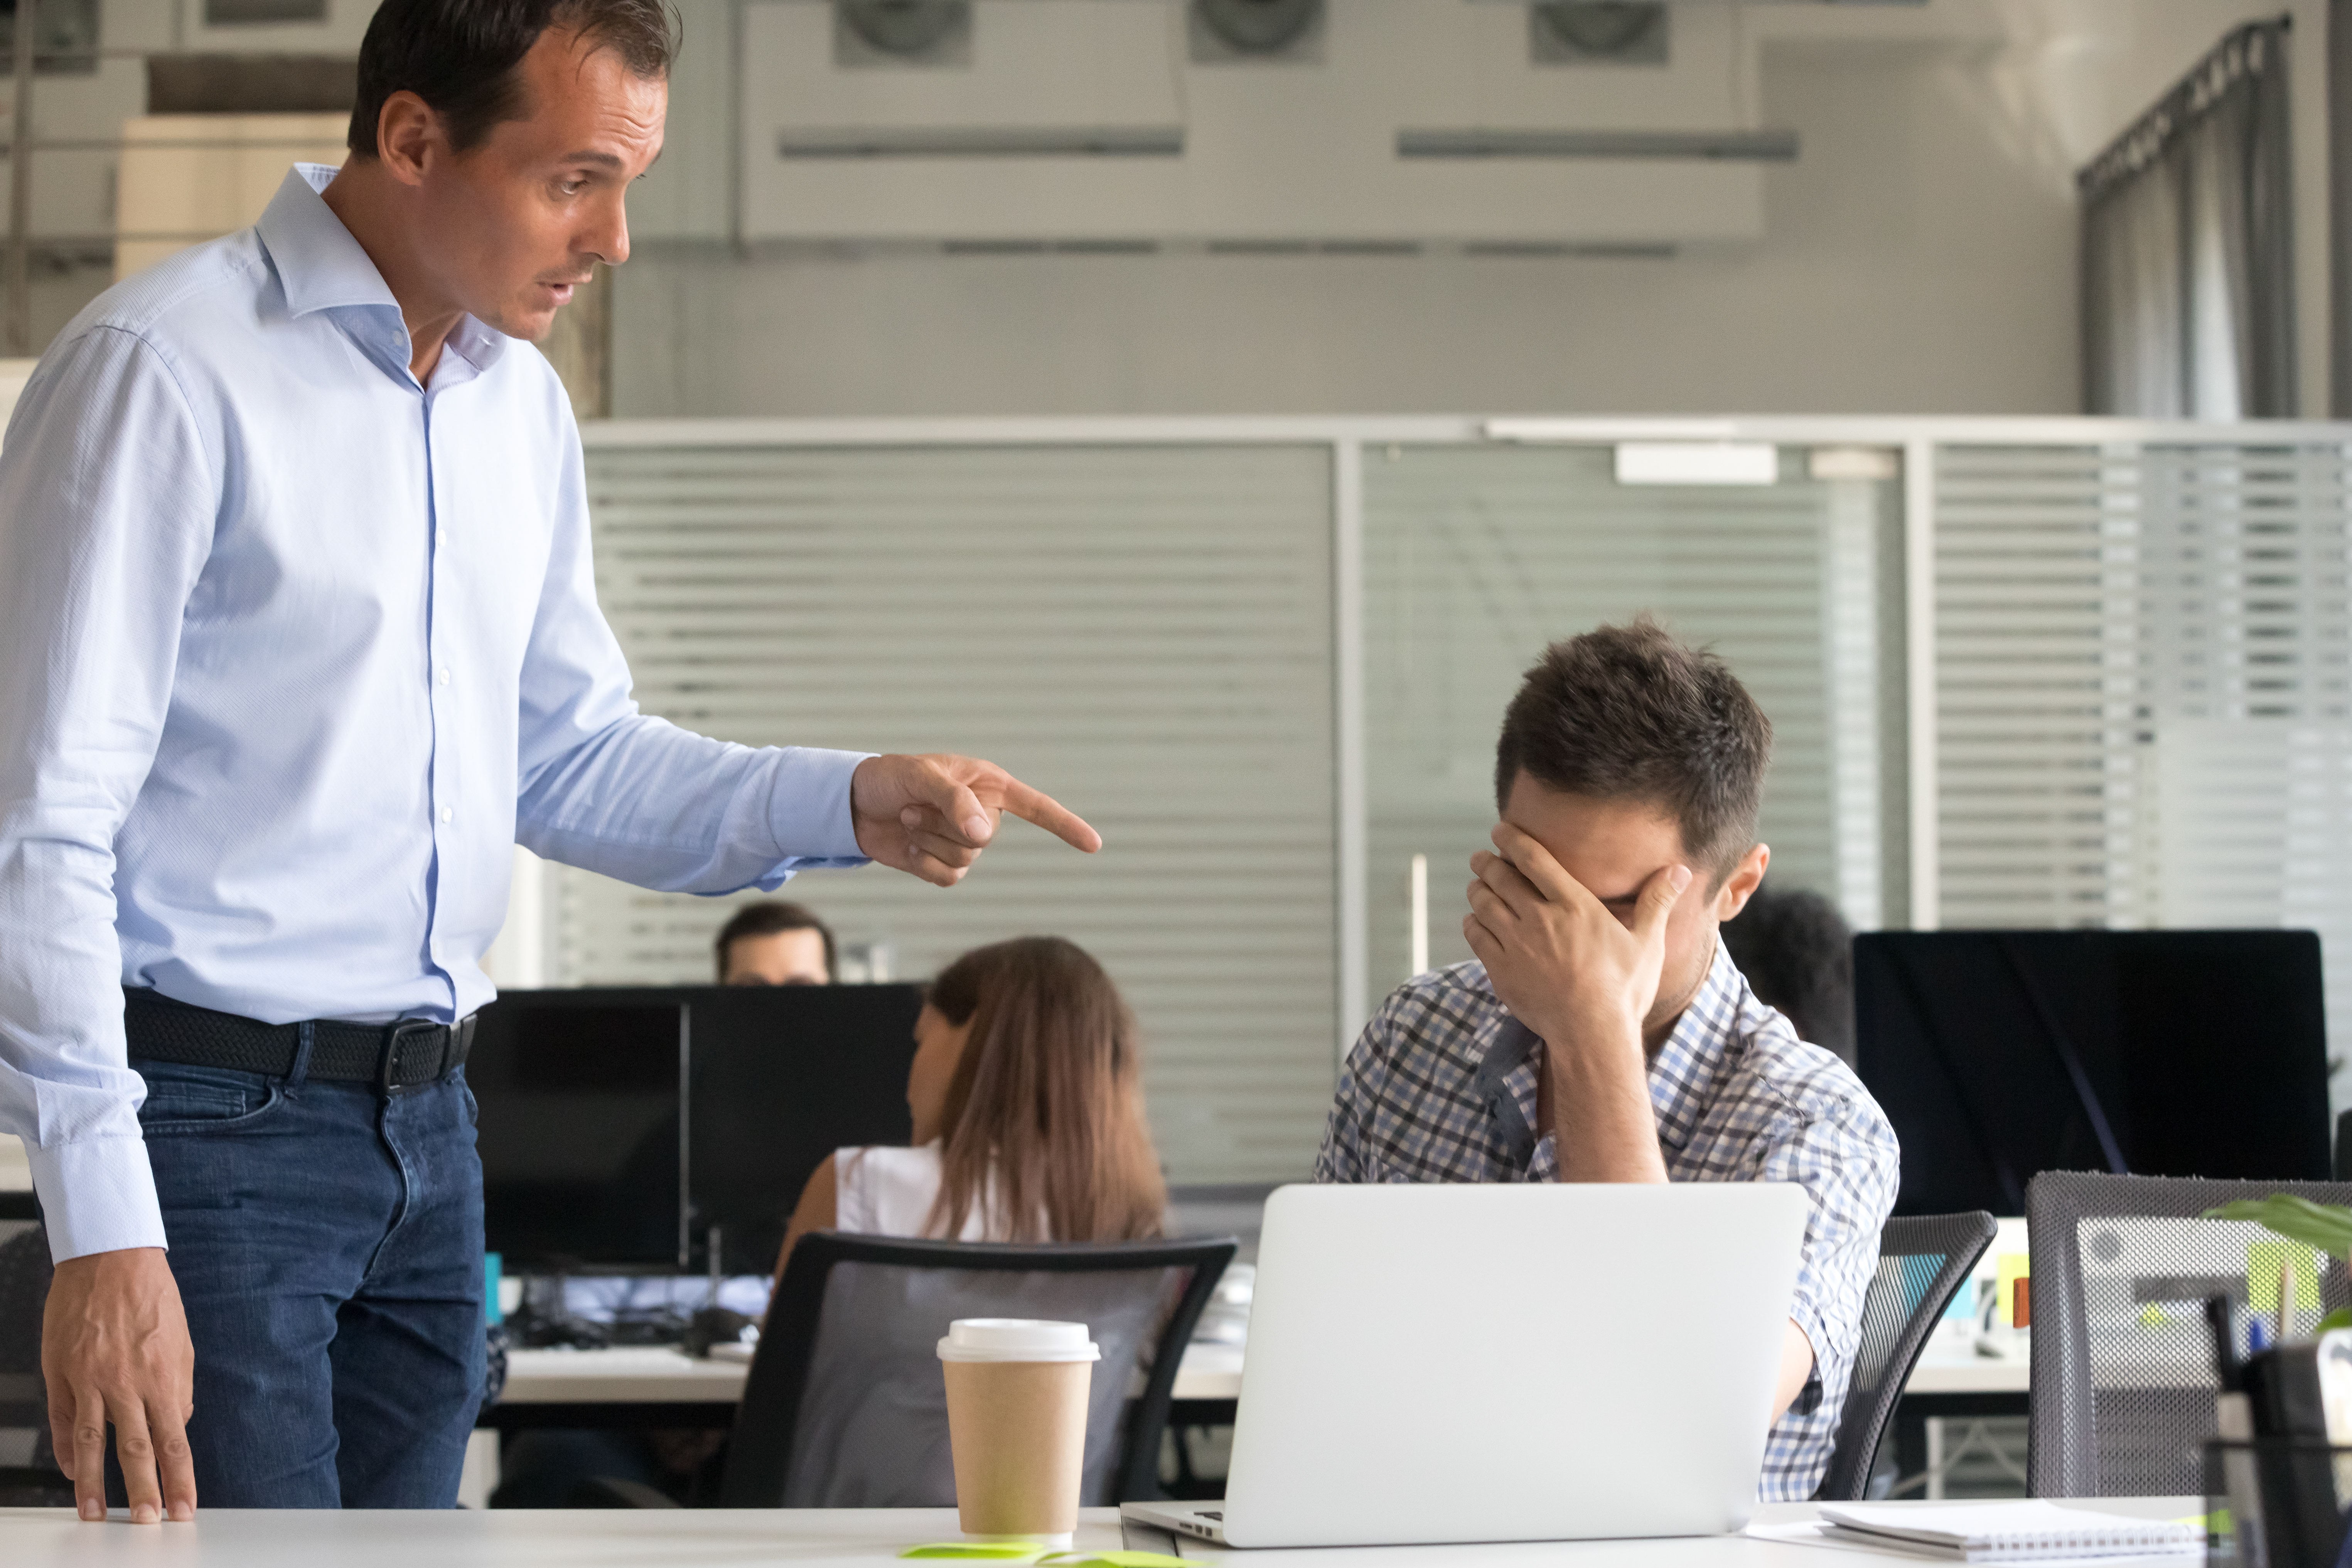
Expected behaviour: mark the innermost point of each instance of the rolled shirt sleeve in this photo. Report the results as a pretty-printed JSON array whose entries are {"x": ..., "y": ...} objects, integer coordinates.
[{"x": 1839, "y": 1156}]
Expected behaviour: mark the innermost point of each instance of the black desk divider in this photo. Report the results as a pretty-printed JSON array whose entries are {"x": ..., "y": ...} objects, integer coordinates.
[{"x": 619, "y": 1124}]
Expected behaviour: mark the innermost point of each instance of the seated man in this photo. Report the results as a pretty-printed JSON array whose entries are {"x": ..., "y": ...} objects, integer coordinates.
[
  {"x": 772, "y": 943},
  {"x": 1603, "y": 1033}
]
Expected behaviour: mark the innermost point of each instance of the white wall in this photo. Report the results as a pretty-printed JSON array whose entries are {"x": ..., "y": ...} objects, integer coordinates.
[{"x": 1919, "y": 257}]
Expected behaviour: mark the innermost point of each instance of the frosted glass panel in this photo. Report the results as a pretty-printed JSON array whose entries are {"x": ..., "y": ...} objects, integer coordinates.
[
  {"x": 1142, "y": 632},
  {"x": 2144, "y": 689},
  {"x": 1477, "y": 557}
]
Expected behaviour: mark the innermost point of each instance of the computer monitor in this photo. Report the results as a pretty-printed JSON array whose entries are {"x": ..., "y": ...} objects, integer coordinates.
[
  {"x": 781, "y": 1077},
  {"x": 2169, "y": 1053},
  {"x": 578, "y": 1133}
]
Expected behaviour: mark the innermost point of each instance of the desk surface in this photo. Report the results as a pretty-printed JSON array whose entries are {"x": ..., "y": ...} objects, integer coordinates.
[
  {"x": 721, "y": 1538},
  {"x": 657, "y": 1374}
]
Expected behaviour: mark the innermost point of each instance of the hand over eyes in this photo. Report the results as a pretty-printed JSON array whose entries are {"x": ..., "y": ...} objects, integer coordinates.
[{"x": 1560, "y": 960}]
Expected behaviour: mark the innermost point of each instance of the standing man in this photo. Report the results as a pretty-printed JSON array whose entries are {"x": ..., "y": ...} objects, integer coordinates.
[{"x": 297, "y": 635}]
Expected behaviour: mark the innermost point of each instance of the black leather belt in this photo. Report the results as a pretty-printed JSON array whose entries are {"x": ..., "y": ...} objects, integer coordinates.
[{"x": 393, "y": 1058}]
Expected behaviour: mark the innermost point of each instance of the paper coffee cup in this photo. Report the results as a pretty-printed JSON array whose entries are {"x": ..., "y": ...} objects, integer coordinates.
[{"x": 1017, "y": 1425}]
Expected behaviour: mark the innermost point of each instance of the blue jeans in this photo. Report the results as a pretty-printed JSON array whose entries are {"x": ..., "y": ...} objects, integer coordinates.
[{"x": 328, "y": 1246}]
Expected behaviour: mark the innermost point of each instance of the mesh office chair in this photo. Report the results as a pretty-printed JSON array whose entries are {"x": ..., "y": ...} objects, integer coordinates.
[
  {"x": 1922, "y": 1261},
  {"x": 845, "y": 1406},
  {"x": 2122, "y": 1362}
]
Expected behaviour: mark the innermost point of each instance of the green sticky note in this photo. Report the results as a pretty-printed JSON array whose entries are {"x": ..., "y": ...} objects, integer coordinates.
[
  {"x": 981, "y": 1551},
  {"x": 2267, "y": 1262}
]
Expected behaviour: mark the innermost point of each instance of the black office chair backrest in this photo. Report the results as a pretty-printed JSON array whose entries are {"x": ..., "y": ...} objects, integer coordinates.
[
  {"x": 23, "y": 1404},
  {"x": 1922, "y": 1262},
  {"x": 2122, "y": 1360},
  {"x": 845, "y": 1405}
]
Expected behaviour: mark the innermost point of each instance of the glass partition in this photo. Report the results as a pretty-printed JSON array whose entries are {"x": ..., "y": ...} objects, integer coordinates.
[
  {"x": 1143, "y": 632},
  {"x": 2134, "y": 699},
  {"x": 1475, "y": 557}
]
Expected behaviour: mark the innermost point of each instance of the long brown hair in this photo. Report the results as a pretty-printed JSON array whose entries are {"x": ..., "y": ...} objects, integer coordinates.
[{"x": 1047, "y": 1099}]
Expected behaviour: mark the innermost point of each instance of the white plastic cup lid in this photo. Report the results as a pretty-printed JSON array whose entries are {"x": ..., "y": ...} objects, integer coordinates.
[{"x": 1016, "y": 1339}]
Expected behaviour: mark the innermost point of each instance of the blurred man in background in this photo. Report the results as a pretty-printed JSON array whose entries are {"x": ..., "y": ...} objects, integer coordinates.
[{"x": 772, "y": 943}]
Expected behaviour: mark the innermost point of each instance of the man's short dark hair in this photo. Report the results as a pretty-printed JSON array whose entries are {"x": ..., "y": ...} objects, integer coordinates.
[
  {"x": 1631, "y": 713},
  {"x": 462, "y": 56},
  {"x": 767, "y": 917}
]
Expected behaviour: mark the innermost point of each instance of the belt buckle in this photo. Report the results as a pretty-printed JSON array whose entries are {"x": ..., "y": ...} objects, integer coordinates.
[{"x": 387, "y": 1064}]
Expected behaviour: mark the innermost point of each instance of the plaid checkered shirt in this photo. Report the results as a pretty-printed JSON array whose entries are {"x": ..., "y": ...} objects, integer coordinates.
[{"x": 1441, "y": 1088}]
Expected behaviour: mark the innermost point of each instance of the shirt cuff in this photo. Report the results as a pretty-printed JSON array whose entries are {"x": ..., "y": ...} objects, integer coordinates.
[
  {"x": 808, "y": 806},
  {"x": 1808, "y": 1319},
  {"x": 98, "y": 1195}
]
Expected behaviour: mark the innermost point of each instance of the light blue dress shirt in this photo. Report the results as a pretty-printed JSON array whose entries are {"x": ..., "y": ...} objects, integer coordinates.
[{"x": 291, "y": 650}]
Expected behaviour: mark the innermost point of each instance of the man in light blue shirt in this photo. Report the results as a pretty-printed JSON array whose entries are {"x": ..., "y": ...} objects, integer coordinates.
[{"x": 297, "y": 635}]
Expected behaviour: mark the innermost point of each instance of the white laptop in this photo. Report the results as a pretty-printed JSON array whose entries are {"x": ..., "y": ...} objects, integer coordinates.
[{"x": 1521, "y": 1363}]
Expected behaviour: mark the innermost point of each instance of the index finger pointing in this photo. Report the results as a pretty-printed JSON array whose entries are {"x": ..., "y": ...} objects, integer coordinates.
[{"x": 1044, "y": 811}]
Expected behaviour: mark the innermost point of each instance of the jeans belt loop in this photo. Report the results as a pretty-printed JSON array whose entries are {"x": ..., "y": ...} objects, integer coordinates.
[
  {"x": 306, "y": 1035},
  {"x": 418, "y": 1032}
]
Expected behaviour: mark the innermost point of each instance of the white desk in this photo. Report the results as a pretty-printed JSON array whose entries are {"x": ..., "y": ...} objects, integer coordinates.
[
  {"x": 659, "y": 1375},
  {"x": 636, "y": 1374},
  {"x": 1946, "y": 1371},
  {"x": 723, "y": 1538}
]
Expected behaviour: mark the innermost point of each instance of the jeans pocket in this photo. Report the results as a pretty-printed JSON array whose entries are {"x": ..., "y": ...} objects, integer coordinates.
[{"x": 203, "y": 1100}]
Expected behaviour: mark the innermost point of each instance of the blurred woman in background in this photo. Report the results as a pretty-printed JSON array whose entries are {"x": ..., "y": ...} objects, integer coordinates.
[{"x": 1026, "y": 1092}]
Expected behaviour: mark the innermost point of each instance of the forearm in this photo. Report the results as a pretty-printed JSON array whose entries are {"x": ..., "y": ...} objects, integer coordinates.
[
  {"x": 1605, "y": 1128},
  {"x": 1796, "y": 1369},
  {"x": 648, "y": 803}
]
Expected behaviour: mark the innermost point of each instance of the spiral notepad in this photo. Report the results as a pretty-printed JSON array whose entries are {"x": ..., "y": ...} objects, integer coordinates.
[{"x": 2012, "y": 1532}]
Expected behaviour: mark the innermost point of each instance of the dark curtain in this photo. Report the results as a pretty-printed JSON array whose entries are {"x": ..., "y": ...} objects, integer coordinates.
[{"x": 2189, "y": 247}]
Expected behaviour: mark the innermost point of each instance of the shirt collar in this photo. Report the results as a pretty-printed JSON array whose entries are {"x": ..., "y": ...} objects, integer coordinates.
[
  {"x": 1683, "y": 1074},
  {"x": 321, "y": 267}
]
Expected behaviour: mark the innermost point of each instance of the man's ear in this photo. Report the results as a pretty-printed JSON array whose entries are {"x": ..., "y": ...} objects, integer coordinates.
[
  {"x": 1733, "y": 896},
  {"x": 408, "y": 137}
]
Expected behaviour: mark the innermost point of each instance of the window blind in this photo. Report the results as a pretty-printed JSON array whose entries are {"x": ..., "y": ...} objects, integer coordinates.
[
  {"x": 1477, "y": 557},
  {"x": 1142, "y": 632},
  {"x": 2143, "y": 678}
]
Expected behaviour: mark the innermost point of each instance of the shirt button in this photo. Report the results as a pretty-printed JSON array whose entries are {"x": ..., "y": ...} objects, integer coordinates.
[
  {"x": 441, "y": 537},
  {"x": 444, "y": 814},
  {"x": 445, "y": 675}
]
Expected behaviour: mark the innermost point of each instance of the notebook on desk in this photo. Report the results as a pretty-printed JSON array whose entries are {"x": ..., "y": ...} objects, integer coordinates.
[
  {"x": 1525, "y": 1362},
  {"x": 2029, "y": 1531}
]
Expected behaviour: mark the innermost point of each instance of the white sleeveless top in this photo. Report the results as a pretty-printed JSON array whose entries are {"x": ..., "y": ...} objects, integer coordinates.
[{"x": 882, "y": 1191}]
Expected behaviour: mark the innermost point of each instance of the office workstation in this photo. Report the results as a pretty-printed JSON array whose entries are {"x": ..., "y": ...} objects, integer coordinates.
[{"x": 1415, "y": 779}]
